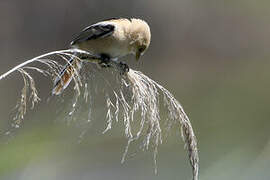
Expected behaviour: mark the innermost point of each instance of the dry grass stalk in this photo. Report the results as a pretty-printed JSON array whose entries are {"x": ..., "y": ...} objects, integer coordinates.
[{"x": 136, "y": 94}]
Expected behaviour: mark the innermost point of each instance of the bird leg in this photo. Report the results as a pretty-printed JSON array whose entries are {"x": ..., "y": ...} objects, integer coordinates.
[
  {"x": 123, "y": 68},
  {"x": 104, "y": 61}
]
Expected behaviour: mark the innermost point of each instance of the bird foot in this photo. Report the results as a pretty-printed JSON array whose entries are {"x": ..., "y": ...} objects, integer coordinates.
[
  {"x": 104, "y": 61},
  {"x": 123, "y": 68}
]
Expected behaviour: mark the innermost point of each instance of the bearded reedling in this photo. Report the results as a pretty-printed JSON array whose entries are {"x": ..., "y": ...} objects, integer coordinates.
[{"x": 109, "y": 40}]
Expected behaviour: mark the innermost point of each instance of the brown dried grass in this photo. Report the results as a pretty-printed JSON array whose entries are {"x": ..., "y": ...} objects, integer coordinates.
[{"x": 135, "y": 94}]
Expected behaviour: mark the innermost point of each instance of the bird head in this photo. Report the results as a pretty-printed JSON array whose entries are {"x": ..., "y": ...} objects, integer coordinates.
[{"x": 141, "y": 37}]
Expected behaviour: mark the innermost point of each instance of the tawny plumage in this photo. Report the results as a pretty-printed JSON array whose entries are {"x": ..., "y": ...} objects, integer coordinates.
[{"x": 110, "y": 39}]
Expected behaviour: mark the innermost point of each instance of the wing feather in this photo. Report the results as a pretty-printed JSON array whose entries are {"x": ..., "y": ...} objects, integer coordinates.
[{"x": 99, "y": 30}]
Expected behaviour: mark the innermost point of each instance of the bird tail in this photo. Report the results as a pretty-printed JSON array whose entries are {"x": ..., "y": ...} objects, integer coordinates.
[{"x": 66, "y": 75}]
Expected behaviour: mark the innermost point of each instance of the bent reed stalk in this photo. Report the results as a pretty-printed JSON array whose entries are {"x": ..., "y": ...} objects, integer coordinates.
[{"x": 136, "y": 94}]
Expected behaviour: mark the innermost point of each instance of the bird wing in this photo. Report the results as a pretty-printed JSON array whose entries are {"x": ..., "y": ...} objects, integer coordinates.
[{"x": 99, "y": 30}]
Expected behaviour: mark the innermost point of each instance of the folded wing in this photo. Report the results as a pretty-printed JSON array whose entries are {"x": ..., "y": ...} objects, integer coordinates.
[{"x": 95, "y": 31}]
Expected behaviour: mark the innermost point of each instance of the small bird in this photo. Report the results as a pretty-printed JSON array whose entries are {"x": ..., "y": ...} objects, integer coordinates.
[{"x": 110, "y": 40}]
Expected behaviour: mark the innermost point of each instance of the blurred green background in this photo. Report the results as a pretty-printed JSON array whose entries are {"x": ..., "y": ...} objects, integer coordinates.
[{"x": 212, "y": 55}]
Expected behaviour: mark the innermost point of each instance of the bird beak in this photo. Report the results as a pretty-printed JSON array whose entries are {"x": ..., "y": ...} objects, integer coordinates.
[{"x": 138, "y": 55}]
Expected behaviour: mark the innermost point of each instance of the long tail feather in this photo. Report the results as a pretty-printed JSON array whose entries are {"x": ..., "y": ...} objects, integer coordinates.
[{"x": 66, "y": 75}]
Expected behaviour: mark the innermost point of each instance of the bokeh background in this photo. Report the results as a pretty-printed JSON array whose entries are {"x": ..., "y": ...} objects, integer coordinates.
[{"x": 212, "y": 55}]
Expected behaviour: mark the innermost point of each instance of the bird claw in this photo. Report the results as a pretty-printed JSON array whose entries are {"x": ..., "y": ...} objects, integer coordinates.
[
  {"x": 123, "y": 68},
  {"x": 104, "y": 61},
  {"x": 104, "y": 65}
]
